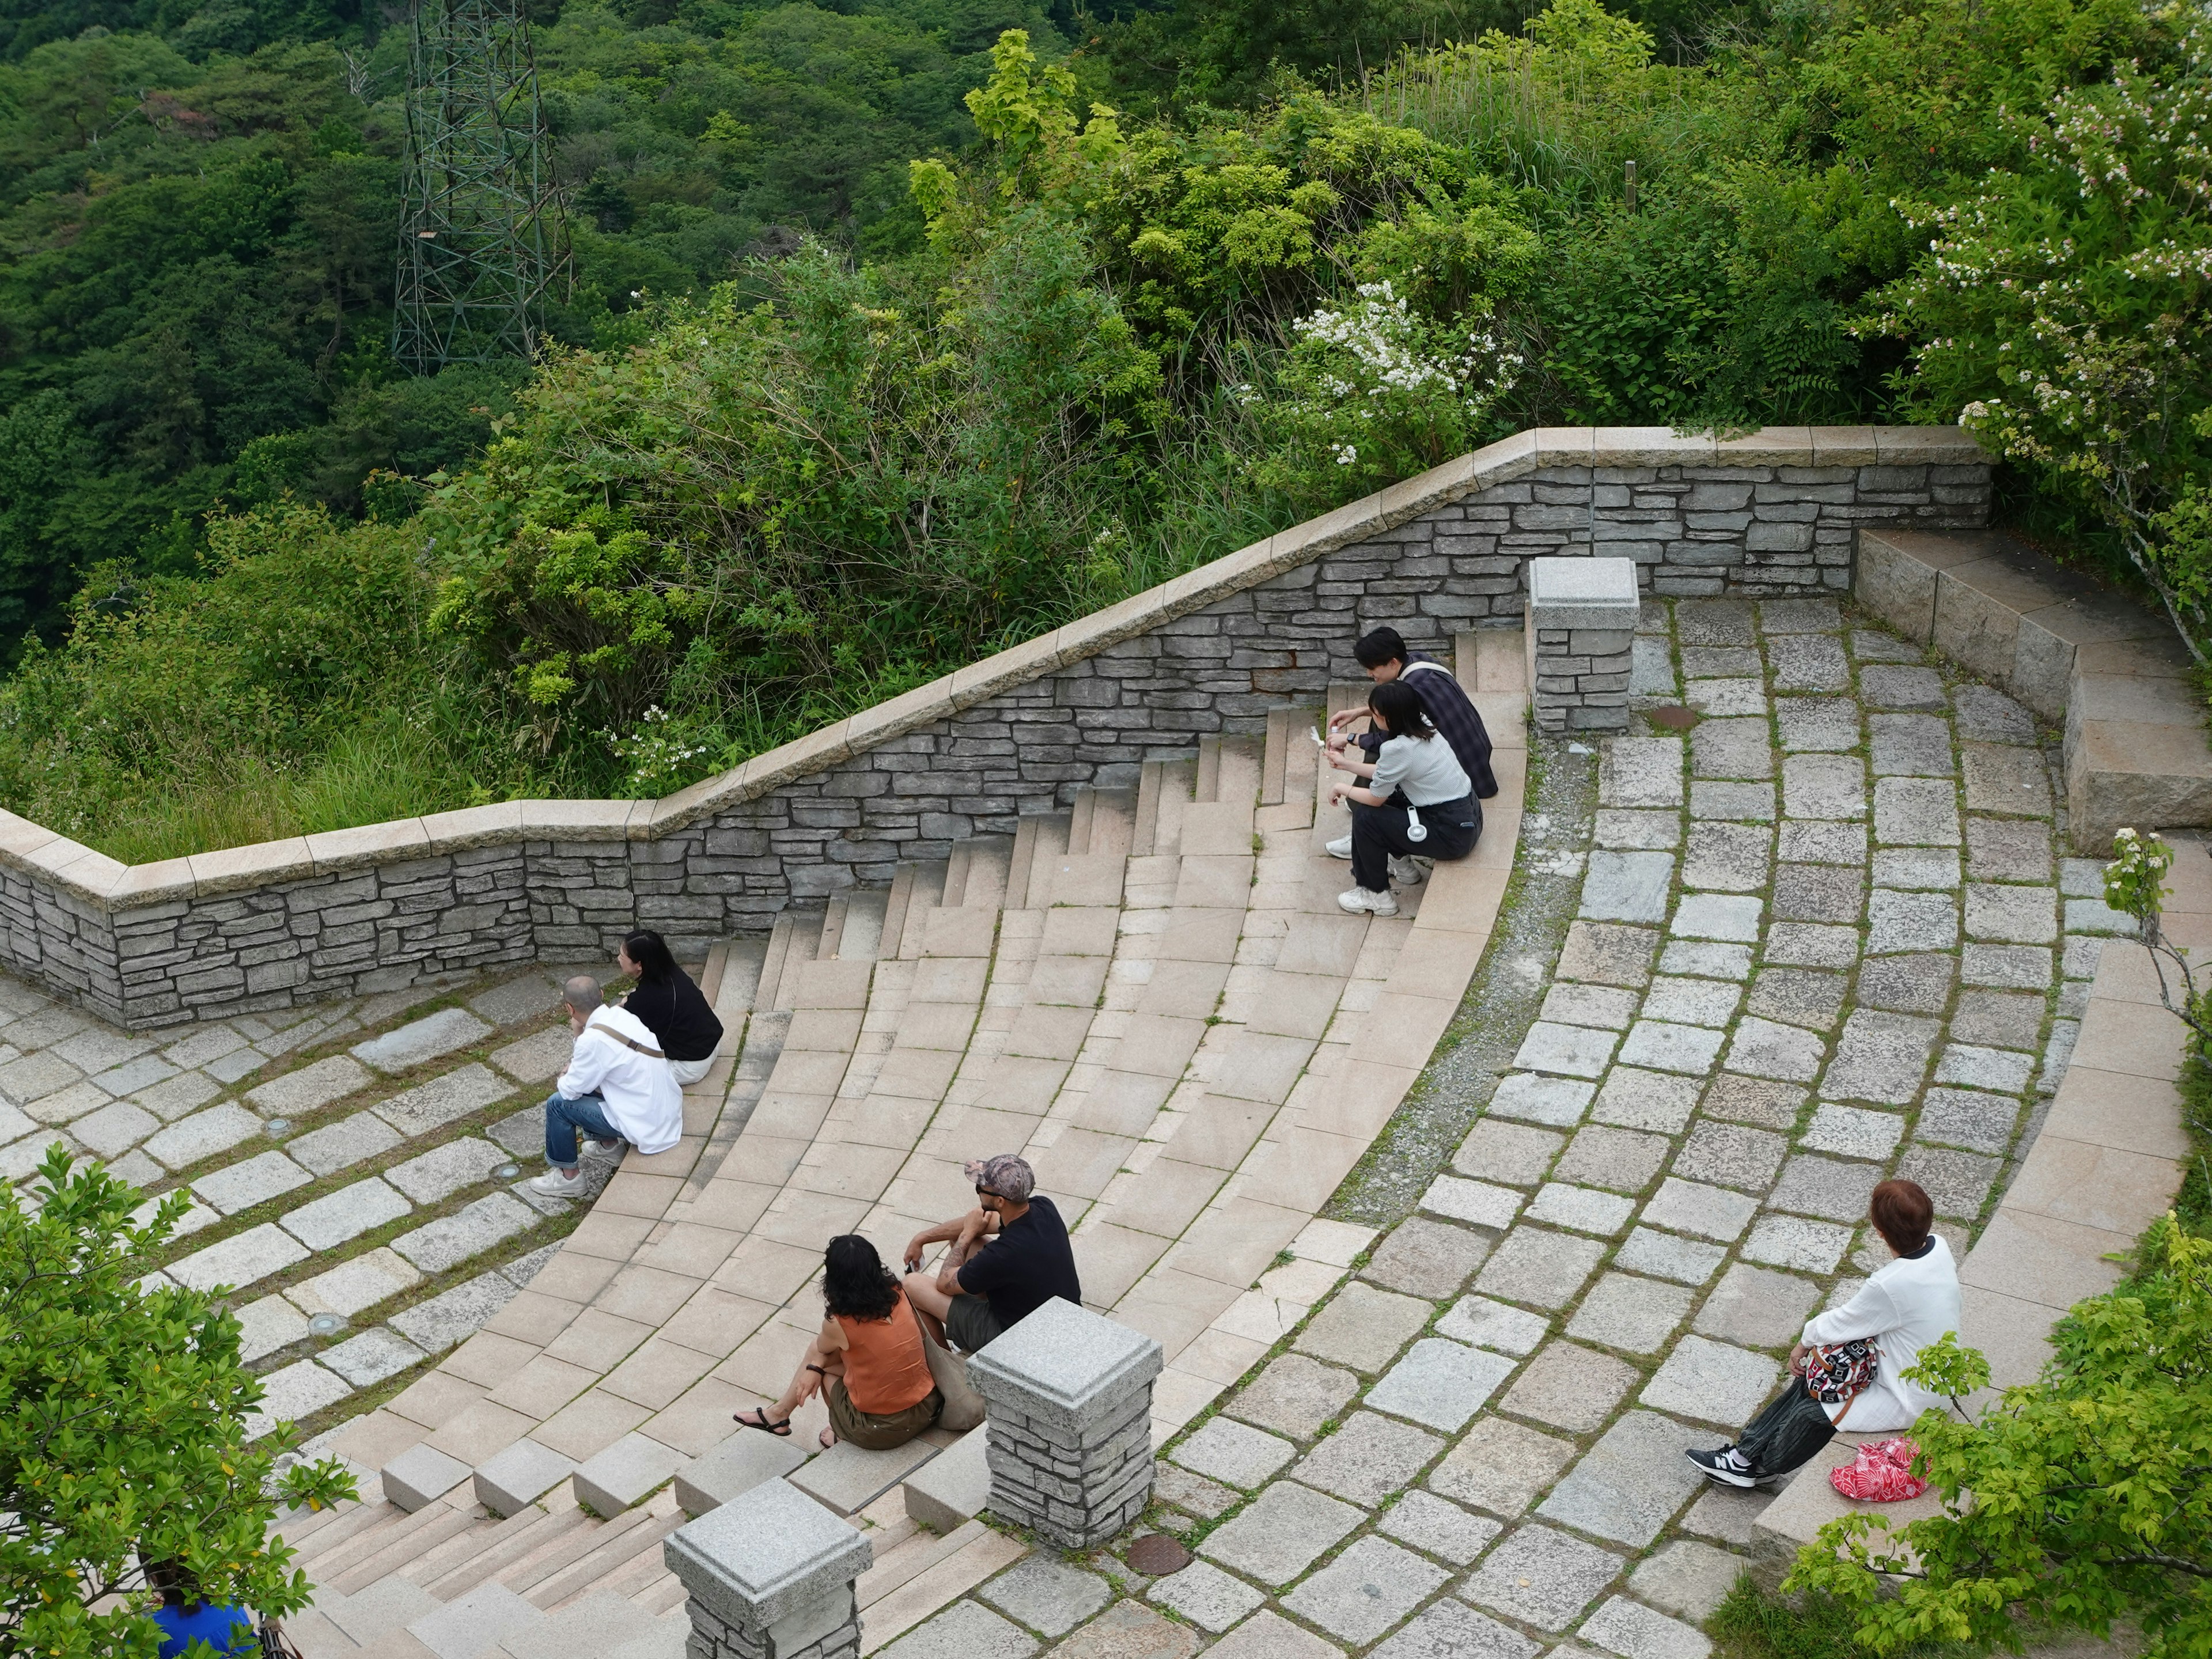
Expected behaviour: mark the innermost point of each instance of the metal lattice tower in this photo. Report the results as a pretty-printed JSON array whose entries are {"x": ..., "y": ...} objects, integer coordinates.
[{"x": 478, "y": 205}]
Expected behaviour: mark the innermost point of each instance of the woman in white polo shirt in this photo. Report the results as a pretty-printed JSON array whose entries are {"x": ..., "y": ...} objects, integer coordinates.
[{"x": 1414, "y": 779}]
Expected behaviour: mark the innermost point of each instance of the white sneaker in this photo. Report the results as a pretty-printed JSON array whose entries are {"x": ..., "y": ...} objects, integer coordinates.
[
  {"x": 1360, "y": 902},
  {"x": 1340, "y": 848},
  {"x": 554, "y": 1184},
  {"x": 1406, "y": 872},
  {"x": 601, "y": 1149}
]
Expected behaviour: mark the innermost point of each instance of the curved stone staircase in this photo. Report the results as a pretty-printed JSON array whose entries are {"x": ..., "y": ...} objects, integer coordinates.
[{"x": 1155, "y": 997}]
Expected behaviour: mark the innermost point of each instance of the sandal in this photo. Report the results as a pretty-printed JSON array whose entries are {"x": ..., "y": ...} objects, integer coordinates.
[{"x": 758, "y": 1419}]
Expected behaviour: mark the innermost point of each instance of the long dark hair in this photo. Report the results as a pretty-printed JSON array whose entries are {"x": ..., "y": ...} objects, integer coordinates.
[
  {"x": 655, "y": 965},
  {"x": 1399, "y": 706},
  {"x": 166, "y": 1579},
  {"x": 855, "y": 1283}
]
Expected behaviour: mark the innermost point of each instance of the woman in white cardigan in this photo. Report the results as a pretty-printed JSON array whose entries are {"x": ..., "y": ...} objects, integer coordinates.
[{"x": 1906, "y": 1305}]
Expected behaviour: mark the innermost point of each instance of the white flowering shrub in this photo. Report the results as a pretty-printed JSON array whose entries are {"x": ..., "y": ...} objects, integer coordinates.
[
  {"x": 1377, "y": 392},
  {"x": 659, "y": 754},
  {"x": 2065, "y": 309}
]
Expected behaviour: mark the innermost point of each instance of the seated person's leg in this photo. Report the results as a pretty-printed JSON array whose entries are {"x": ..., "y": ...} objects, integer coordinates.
[
  {"x": 970, "y": 1325},
  {"x": 1786, "y": 1435},
  {"x": 1375, "y": 839},
  {"x": 874, "y": 1432},
  {"x": 1447, "y": 841},
  {"x": 928, "y": 1301},
  {"x": 565, "y": 1118}
]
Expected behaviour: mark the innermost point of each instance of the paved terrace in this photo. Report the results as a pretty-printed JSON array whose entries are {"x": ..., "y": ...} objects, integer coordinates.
[{"x": 1828, "y": 936}]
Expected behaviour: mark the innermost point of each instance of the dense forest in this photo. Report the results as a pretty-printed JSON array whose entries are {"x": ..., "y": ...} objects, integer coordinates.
[{"x": 893, "y": 330}]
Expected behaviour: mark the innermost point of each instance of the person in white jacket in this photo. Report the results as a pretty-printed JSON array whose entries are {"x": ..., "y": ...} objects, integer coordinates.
[
  {"x": 618, "y": 1087},
  {"x": 1907, "y": 1305}
]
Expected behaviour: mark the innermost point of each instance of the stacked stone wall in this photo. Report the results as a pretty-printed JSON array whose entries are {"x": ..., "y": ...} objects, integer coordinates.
[{"x": 1210, "y": 652}]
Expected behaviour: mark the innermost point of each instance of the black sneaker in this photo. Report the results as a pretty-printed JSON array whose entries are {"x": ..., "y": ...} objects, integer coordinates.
[{"x": 1725, "y": 1467}]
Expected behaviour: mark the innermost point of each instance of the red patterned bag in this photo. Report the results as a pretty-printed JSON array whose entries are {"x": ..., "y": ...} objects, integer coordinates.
[{"x": 1881, "y": 1474}]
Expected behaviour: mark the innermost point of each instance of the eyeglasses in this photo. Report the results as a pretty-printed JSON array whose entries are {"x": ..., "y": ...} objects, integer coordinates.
[{"x": 985, "y": 1192}]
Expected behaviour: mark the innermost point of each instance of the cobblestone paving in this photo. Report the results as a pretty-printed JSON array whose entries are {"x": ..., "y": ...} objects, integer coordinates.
[
  {"x": 354, "y": 1170},
  {"x": 1827, "y": 936}
]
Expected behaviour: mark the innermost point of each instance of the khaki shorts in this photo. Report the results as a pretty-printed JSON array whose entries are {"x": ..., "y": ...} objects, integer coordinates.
[{"x": 877, "y": 1432}]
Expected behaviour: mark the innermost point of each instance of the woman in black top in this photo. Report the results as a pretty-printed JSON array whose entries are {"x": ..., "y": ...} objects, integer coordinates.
[{"x": 671, "y": 1005}]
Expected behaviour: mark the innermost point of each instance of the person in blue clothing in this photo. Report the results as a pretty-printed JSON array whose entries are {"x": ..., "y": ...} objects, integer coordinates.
[{"x": 184, "y": 1620}]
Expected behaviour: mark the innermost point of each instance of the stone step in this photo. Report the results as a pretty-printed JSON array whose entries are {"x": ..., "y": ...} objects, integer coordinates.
[
  {"x": 1287, "y": 730},
  {"x": 457, "y": 1552},
  {"x": 833, "y": 928},
  {"x": 434, "y": 1526},
  {"x": 983, "y": 885},
  {"x": 1237, "y": 771},
  {"x": 927, "y": 891},
  {"x": 1040, "y": 837},
  {"x": 897, "y": 898},
  {"x": 796, "y": 937},
  {"x": 861, "y": 937},
  {"x": 1163, "y": 790},
  {"x": 615, "y": 1548},
  {"x": 556, "y": 1557},
  {"x": 546, "y": 1531},
  {"x": 1808, "y": 1503},
  {"x": 1112, "y": 824}
]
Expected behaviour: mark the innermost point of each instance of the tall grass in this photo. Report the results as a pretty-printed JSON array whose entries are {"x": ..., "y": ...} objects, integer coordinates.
[{"x": 1556, "y": 121}]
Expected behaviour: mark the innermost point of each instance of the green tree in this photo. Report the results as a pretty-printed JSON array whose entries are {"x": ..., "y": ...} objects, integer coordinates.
[
  {"x": 2065, "y": 311},
  {"x": 123, "y": 1424}
]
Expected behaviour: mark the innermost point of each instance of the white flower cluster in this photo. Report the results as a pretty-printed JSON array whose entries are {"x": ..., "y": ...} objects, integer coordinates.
[
  {"x": 1382, "y": 336},
  {"x": 657, "y": 758}
]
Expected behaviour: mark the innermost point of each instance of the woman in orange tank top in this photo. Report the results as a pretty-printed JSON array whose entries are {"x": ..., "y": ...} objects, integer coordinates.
[{"x": 866, "y": 1362}]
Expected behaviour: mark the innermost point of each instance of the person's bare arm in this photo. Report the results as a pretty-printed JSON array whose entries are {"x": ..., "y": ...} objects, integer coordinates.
[
  {"x": 1342, "y": 791},
  {"x": 961, "y": 1235}
]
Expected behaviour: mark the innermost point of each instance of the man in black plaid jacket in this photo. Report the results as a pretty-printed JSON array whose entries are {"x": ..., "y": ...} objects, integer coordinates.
[{"x": 1384, "y": 655}]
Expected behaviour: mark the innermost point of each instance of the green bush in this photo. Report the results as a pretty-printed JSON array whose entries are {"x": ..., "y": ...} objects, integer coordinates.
[
  {"x": 122, "y": 1421},
  {"x": 291, "y": 688}
]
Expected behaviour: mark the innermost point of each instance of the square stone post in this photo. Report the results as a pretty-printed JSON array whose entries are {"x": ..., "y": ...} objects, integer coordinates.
[
  {"x": 1071, "y": 1423},
  {"x": 770, "y": 1575},
  {"x": 1581, "y": 630}
]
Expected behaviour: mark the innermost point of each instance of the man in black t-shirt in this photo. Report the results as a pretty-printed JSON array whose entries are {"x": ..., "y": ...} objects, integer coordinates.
[{"x": 1010, "y": 1256}]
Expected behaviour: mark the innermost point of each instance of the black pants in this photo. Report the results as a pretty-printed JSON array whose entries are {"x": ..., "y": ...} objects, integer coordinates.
[
  {"x": 1788, "y": 1431},
  {"x": 1378, "y": 833}
]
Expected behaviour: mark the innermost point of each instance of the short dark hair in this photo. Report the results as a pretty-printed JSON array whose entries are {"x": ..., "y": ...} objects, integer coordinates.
[
  {"x": 1382, "y": 645},
  {"x": 656, "y": 964},
  {"x": 855, "y": 1283},
  {"x": 1399, "y": 706},
  {"x": 1902, "y": 1214}
]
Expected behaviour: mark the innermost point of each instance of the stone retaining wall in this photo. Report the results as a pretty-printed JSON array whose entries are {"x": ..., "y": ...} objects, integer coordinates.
[{"x": 383, "y": 906}]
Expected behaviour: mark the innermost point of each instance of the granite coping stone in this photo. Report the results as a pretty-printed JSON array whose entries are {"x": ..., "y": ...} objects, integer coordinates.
[
  {"x": 510, "y": 1480},
  {"x": 737, "y": 1466},
  {"x": 625, "y": 1474},
  {"x": 1062, "y": 1364},
  {"x": 420, "y": 1475},
  {"x": 769, "y": 1551},
  {"x": 847, "y": 1478}
]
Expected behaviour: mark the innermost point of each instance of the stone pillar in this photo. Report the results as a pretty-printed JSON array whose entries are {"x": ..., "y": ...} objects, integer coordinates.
[
  {"x": 770, "y": 1575},
  {"x": 1070, "y": 1426},
  {"x": 1580, "y": 624}
]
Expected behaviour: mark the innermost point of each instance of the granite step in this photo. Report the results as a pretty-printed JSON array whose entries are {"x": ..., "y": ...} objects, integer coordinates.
[
  {"x": 409, "y": 1545},
  {"x": 926, "y": 890},
  {"x": 540, "y": 1530},
  {"x": 615, "y": 1547},
  {"x": 1042, "y": 838},
  {"x": 861, "y": 937}
]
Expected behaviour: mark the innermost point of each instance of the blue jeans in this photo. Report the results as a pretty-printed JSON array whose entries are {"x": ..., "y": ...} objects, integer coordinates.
[{"x": 564, "y": 1117}]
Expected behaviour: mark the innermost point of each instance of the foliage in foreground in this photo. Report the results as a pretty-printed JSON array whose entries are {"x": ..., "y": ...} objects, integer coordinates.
[
  {"x": 2091, "y": 1488},
  {"x": 123, "y": 1414},
  {"x": 1753, "y": 1623}
]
